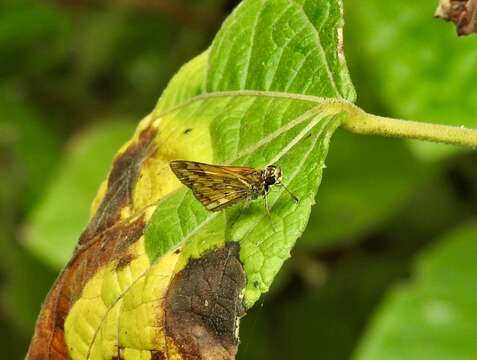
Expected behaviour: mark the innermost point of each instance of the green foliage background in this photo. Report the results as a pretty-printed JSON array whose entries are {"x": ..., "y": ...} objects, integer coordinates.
[{"x": 387, "y": 264}]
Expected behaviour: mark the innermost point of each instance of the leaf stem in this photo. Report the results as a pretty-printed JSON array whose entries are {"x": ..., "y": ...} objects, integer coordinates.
[{"x": 360, "y": 122}]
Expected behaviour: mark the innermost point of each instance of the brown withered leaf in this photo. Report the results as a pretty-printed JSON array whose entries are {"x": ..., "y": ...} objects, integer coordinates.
[{"x": 463, "y": 13}]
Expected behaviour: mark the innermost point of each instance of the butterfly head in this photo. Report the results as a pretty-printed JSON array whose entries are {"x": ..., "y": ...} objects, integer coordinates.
[{"x": 272, "y": 175}]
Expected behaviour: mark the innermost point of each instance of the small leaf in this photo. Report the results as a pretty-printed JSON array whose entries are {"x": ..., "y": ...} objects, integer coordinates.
[{"x": 434, "y": 315}]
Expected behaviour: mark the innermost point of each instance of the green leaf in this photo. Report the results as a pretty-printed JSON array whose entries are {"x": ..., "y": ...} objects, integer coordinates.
[
  {"x": 422, "y": 70},
  {"x": 57, "y": 221},
  {"x": 283, "y": 45},
  {"x": 294, "y": 135},
  {"x": 433, "y": 316},
  {"x": 287, "y": 129}
]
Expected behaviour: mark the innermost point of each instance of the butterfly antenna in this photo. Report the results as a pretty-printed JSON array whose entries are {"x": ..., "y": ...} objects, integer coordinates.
[{"x": 291, "y": 194}]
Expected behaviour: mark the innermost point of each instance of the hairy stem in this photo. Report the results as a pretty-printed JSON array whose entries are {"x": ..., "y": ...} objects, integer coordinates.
[{"x": 361, "y": 122}]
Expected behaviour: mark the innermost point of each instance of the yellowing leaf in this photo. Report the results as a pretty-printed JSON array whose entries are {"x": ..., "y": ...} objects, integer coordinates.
[{"x": 157, "y": 276}]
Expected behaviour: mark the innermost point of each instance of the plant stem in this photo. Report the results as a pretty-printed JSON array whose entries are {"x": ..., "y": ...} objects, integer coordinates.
[{"x": 361, "y": 122}]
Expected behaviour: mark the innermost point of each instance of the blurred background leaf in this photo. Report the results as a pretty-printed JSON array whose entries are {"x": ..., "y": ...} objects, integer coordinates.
[
  {"x": 433, "y": 316},
  {"x": 63, "y": 213}
]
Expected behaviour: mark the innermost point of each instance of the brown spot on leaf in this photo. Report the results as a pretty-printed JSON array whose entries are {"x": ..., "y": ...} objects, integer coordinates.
[
  {"x": 124, "y": 261},
  {"x": 48, "y": 341},
  {"x": 186, "y": 131},
  {"x": 121, "y": 182},
  {"x": 204, "y": 303},
  {"x": 463, "y": 13}
]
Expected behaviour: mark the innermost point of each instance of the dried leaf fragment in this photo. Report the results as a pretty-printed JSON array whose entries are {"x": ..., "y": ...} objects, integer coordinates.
[{"x": 463, "y": 13}]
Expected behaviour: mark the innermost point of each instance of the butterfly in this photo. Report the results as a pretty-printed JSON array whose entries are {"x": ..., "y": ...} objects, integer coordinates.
[{"x": 219, "y": 186}]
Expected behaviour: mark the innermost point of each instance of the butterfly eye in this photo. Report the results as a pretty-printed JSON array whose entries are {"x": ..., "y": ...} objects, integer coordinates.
[{"x": 271, "y": 180}]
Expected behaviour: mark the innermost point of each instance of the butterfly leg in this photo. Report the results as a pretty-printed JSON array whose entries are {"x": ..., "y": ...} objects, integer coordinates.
[{"x": 268, "y": 212}]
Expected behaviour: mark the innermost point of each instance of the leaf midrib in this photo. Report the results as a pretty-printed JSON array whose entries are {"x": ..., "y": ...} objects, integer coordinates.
[{"x": 261, "y": 93}]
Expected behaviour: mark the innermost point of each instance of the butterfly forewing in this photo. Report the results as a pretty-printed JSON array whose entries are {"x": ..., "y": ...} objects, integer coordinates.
[{"x": 215, "y": 186}]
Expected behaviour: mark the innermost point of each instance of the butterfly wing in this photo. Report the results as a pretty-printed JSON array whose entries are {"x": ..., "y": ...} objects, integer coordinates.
[{"x": 215, "y": 186}]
